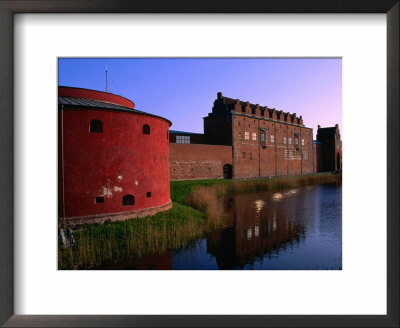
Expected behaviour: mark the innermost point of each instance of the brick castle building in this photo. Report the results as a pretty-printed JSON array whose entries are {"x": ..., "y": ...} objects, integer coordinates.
[
  {"x": 113, "y": 159},
  {"x": 244, "y": 140}
]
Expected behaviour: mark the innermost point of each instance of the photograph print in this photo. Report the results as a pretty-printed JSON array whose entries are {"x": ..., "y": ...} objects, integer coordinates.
[{"x": 199, "y": 164}]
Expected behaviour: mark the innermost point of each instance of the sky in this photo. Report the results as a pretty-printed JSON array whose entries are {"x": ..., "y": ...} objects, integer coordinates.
[{"x": 183, "y": 90}]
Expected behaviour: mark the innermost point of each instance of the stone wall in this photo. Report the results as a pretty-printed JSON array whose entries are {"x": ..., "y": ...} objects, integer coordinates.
[{"x": 197, "y": 161}]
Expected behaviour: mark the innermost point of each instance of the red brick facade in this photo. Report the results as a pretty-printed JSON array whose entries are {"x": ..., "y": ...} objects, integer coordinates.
[
  {"x": 113, "y": 160},
  {"x": 196, "y": 161},
  {"x": 264, "y": 142}
]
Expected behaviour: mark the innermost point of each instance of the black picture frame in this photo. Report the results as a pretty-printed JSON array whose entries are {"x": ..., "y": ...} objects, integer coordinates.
[{"x": 10, "y": 7}]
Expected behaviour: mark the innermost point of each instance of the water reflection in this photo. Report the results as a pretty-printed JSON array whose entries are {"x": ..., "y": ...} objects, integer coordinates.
[{"x": 300, "y": 231}]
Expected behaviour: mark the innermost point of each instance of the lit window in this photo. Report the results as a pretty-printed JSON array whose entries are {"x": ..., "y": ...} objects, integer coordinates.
[
  {"x": 183, "y": 139},
  {"x": 302, "y": 142},
  {"x": 285, "y": 140},
  {"x": 254, "y": 136},
  {"x": 272, "y": 138},
  {"x": 249, "y": 234},
  {"x": 290, "y": 141},
  {"x": 96, "y": 126},
  {"x": 246, "y": 136},
  {"x": 146, "y": 129}
]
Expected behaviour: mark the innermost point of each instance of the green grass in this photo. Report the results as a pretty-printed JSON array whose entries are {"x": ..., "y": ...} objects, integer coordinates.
[
  {"x": 99, "y": 244},
  {"x": 181, "y": 190}
]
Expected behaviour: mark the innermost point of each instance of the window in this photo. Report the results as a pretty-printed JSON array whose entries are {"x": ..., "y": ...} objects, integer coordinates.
[
  {"x": 285, "y": 140},
  {"x": 128, "y": 200},
  {"x": 290, "y": 141},
  {"x": 262, "y": 137},
  {"x": 246, "y": 136},
  {"x": 146, "y": 129},
  {"x": 99, "y": 200},
  {"x": 253, "y": 111},
  {"x": 183, "y": 139},
  {"x": 302, "y": 142},
  {"x": 296, "y": 141},
  {"x": 243, "y": 155},
  {"x": 96, "y": 126},
  {"x": 251, "y": 155},
  {"x": 272, "y": 138},
  {"x": 262, "y": 112},
  {"x": 254, "y": 135},
  {"x": 148, "y": 194}
]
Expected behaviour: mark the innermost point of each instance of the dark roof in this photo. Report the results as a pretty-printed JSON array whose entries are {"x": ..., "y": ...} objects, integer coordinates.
[
  {"x": 82, "y": 102},
  {"x": 90, "y": 103},
  {"x": 182, "y": 132}
]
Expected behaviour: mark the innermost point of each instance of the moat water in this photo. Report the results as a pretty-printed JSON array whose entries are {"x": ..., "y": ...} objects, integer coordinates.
[{"x": 290, "y": 229}]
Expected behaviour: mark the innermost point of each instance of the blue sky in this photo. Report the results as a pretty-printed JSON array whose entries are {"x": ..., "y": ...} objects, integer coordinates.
[{"x": 183, "y": 89}]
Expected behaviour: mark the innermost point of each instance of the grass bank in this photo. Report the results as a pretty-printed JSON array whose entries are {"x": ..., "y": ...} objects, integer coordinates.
[
  {"x": 99, "y": 244},
  {"x": 182, "y": 191},
  {"x": 196, "y": 211}
]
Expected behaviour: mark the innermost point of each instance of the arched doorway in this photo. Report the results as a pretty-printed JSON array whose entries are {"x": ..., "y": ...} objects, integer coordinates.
[
  {"x": 227, "y": 171},
  {"x": 338, "y": 167}
]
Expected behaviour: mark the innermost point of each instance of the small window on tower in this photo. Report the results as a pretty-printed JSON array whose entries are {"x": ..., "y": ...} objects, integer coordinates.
[
  {"x": 254, "y": 135},
  {"x": 272, "y": 138},
  {"x": 243, "y": 155},
  {"x": 148, "y": 194},
  {"x": 99, "y": 200},
  {"x": 146, "y": 129},
  {"x": 246, "y": 135},
  {"x": 302, "y": 142},
  {"x": 96, "y": 126},
  {"x": 128, "y": 200}
]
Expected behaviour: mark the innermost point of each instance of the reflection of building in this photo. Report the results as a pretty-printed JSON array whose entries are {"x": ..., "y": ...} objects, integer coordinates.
[
  {"x": 243, "y": 140},
  {"x": 254, "y": 231},
  {"x": 113, "y": 159}
]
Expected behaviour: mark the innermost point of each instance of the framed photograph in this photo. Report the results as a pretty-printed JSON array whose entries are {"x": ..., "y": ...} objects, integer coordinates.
[{"x": 43, "y": 43}]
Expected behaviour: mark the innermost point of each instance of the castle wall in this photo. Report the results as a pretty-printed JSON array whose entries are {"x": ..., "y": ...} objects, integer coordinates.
[
  {"x": 101, "y": 168},
  {"x": 264, "y": 147},
  {"x": 197, "y": 161}
]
